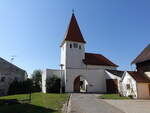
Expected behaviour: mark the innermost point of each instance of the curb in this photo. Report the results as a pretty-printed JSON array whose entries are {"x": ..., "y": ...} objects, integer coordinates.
[{"x": 67, "y": 105}]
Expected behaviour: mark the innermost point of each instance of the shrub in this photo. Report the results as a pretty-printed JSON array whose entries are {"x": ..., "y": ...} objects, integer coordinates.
[
  {"x": 130, "y": 96},
  {"x": 53, "y": 85},
  {"x": 36, "y": 87},
  {"x": 20, "y": 87}
]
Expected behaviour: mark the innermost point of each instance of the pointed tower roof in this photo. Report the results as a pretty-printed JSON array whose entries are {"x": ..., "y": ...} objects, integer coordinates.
[
  {"x": 73, "y": 32},
  {"x": 143, "y": 56}
]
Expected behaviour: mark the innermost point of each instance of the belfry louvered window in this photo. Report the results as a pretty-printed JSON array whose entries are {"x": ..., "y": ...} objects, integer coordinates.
[{"x": 75, "y": 45}]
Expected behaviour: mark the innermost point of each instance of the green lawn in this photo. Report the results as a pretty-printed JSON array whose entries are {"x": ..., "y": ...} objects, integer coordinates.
[
  {"x": 41, "y": 103},
  {"x": 113, "y": 96}
]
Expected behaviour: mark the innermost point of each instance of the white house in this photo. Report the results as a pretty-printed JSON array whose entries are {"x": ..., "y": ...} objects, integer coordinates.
[
  {"x": 137, "y": 83},
  {"x": 8, "y": 73},
  {"x": 80, "y": 70}
]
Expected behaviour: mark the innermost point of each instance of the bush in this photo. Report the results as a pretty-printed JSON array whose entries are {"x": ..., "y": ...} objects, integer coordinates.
[
  {"x": 20, "y": 87},
  {"x": 36, "y": 87},
  {"x": 130, "y": 96},
  {"x": 53, "y": 85}
]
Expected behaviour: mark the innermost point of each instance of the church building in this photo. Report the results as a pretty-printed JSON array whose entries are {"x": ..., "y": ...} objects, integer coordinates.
[{"x": 82, "y": 71}]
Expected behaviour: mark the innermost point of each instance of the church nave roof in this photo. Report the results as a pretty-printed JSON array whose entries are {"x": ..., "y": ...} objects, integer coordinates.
[{"x": 97, "y": 59}]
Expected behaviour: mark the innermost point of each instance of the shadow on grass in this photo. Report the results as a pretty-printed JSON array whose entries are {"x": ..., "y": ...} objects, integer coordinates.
[{"x": 14, "y": 106}]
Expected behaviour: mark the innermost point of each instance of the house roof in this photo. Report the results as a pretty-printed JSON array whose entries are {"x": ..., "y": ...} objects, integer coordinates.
[
  {"x": 6, "y": 66},
  {"x": 143, "y": 56},
  {"x": 73, "y": 32},
  {"x": 97, "y": 59},
  {"x": 138, "y": 77},
  {"x": 116, "y": 72}
]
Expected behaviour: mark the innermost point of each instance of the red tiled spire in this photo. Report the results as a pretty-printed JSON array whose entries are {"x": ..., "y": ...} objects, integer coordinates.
[{"x": 73, "y": 32}]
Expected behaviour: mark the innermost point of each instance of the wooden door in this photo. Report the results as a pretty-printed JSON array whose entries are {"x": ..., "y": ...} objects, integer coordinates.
[
  {"x": 77, "y": 84},
  {"x": 112, "y": 85}
]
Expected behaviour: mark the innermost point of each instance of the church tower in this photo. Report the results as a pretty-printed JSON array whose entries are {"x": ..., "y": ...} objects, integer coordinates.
[{"x": 72, "y": 47}]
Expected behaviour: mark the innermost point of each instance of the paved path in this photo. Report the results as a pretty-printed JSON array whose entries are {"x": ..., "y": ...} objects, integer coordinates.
[
  {"x": 131, "y": 106},
  {"x": 89, "y": 103}
]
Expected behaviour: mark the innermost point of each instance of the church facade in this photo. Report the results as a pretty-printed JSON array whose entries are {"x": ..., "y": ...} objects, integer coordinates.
[{"x": 82, "y": 71}]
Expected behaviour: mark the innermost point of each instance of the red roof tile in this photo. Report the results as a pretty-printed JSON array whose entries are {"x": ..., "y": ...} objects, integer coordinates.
[
  {"x": 138, "y": 77},
  {"x": 97, "y": 59},
  {"x": 143, "y": 56},
  {"x": 73, "y": 32}
]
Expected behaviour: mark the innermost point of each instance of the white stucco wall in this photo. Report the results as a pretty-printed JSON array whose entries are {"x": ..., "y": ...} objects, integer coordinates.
[
  {"x": 72, "y": 57},
  {"x": 143, "y": 91},
  {"x": 44, "y": 81},
  {"x": 95, "y": 78},
  {"x": 127, "y": 79},
  {"x": 9, "y": 78},
  {"x": 49, "y": 73},
  {"x": 63, "y": 55}
]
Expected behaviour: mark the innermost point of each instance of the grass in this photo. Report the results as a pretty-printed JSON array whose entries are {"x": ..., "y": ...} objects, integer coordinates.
[
  {"x": 113, "y": 96},
  {"x": 41, "y": 103}
]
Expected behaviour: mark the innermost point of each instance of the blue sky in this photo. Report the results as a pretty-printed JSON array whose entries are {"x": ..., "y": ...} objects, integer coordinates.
[{"x": 32, "y": 30}]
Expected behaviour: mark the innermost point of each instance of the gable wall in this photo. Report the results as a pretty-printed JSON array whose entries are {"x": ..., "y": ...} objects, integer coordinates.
[
  {"x": 10, "y": 76},
  {"x": 128, "y": 80}
]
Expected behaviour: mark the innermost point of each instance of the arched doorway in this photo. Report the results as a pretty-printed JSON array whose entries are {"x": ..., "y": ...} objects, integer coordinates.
[{"x": 80, "y": 84}]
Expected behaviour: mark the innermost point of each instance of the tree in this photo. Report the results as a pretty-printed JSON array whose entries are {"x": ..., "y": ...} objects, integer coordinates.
[
  {"x": 37, "y": 80},
  {"x": 53, "y": 84}
]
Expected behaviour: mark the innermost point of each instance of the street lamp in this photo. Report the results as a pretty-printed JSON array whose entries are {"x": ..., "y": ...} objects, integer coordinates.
[{"x": 61, "y": 78}]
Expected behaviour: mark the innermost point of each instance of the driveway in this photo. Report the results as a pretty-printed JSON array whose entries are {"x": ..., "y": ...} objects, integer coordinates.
[
  {"x": 89, "y": 103},
  {"x": 131, "y": 106}
]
